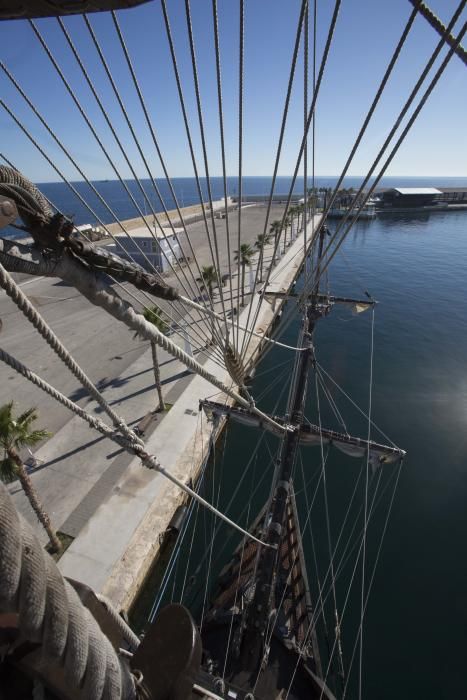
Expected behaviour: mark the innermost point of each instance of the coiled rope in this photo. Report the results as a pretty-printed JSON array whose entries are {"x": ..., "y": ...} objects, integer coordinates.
[{"x": 50, "y": 613}]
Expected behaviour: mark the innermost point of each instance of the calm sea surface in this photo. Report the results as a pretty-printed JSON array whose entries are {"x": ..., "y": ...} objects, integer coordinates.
[{"x": 415, "y": 634}]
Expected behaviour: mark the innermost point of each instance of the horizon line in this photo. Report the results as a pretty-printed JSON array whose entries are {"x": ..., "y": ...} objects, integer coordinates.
[{"x": 211, "y": 177}]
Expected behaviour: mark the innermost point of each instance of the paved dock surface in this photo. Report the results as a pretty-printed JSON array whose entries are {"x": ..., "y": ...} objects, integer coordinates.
[{"x": 92, "y": 490}]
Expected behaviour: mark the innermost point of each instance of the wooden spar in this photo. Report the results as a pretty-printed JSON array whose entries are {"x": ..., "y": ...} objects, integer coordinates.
[
  {"x": 306, "y": 430},
  {"x": 323, "y": 298}
]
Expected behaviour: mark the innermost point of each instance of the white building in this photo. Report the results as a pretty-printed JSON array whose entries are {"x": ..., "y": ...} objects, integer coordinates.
[{"x": 158, "y": 245}]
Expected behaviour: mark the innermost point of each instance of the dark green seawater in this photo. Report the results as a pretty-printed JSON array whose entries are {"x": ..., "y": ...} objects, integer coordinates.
[{"x": 415, "y": 631}]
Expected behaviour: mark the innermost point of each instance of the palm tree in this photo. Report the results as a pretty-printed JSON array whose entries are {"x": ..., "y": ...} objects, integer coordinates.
[
  {"x": 300, "y": 209},
  {"x": 287, "y": 223},
  {"x": 291, "y": 217},
  {"x": 16, "y": 433},
  {"x": 262, "y": 240},
  {"x": 244, "y": 256},
  {"x": 155, "y": 316},
  {"x": 275, "y": 230},
  {"x": 312, "y": 203},
  {"x": 209, "y": 279}
]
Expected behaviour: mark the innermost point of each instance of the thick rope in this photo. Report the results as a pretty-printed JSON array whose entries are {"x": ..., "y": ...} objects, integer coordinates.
[
  {"x": 16, "y": 294},
  {"x": 127, "y": 633},
  {"x": 99, "y": 294},
  {"x": 50, "y": 613},
  {"x": 10, "y": 176},
  {"x": 147, "y": 460},
  {"x": 440, "y": 28},
  {"x": 94, "y": 422},
  {"x": 142, "y": 280}
]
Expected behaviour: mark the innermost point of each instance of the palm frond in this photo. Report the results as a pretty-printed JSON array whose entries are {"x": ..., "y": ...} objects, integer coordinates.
[
  {"x": 8, "y": 471},
  {"x": 16, "y": 432},
  {"x": 28, "y": 417},
  {"x": 34, "y": 437},
  {"x": 5, "y": 420},
  {"x": 156, "y": 316}
]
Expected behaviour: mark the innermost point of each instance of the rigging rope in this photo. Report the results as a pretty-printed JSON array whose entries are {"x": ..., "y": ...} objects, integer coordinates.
[
  {"x": 277, "y": 159},
  {"x": 320, "y": 609},
  {"x": 203, "y": 144},
  {"x": 356, "y": 566},
  {"x": 123, "y": 151},
  {"x": 103, "y": 149},
  {"x": 178, "y": 545},
  {"x": 328, "y": 526},
  {"x": 399, "y": 141},
  {"x": 237, "y": 587},
  {"x": 373, "y": 572},
  {"x": 99, "y": 295},
  {"x": 369, "y": 115},
  {"x": 22, "y": 302},
  {"x": 241, "y": 32},
  {"x": 155, "y": 142},
  {"x": 222, "y": 139},
  {"x": 189, "y": 137},
  {"x": 386, "y": 437},
  {"x": 147, "y": 460},
  {"x": 365, "y": 514},
  {"x": 14, "y": 176},
  {"x": 327, "y": 47}
]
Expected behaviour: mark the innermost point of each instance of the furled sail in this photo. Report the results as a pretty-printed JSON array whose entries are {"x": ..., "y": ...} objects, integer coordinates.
[{"x": 312, "y": 435}]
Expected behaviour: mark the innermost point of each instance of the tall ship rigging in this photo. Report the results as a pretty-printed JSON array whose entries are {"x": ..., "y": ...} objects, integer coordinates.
[{"x": 269, "y": 628}]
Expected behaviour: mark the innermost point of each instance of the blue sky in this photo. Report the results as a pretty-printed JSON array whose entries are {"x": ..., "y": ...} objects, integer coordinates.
[{"x": 365, "y": 37}]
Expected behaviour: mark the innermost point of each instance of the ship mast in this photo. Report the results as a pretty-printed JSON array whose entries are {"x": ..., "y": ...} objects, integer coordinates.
[{"x": 258, "y": 613}]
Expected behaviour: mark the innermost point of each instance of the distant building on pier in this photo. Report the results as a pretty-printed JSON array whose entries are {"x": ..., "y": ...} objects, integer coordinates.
[
  {"x": 421, "y": 197},
  {"x": 410, "y": 197},
  {"x": 157, "y": 247}
]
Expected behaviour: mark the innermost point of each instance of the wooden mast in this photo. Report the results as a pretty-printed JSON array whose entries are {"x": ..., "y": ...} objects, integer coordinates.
[{"x": 257, "y": 617}]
